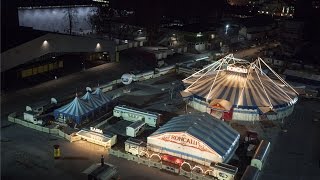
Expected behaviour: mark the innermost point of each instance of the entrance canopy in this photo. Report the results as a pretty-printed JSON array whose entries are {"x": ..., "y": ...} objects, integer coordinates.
[{"x": 220, "y": 104}]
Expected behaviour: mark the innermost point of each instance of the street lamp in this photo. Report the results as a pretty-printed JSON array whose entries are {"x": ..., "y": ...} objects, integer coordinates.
[{"x": 227, "y": 27}]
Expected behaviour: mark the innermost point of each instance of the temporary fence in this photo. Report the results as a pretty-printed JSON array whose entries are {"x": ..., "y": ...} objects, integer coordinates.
[{"x": 52, "y": 131}]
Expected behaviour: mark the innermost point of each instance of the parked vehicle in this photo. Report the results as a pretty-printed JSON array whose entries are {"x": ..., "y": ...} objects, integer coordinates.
[
  {"x": 32, "y": 117},
  {"x": 223, "y": 171},
  {"x": 136, "y": 147},
  {"x": 261, "y": 154}
]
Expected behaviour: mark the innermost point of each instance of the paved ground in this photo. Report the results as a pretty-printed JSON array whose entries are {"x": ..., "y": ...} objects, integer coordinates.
[
  {"x": 296, "y": 153},
  {"x": 32, "y": 157},
  {"x": 26, "y": 153},
  {"x": 61, "y": 87}
]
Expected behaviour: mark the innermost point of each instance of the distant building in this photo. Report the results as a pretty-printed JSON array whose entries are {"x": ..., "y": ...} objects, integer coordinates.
[
  {"x": 238, "y": 2},
  {"x": 316, "y": 4},
  {"x": 257, "y": 28},
  {"x": 102, "y": 2},
  {"x": 277, "y": 8},
  {"x": 197, "y": 37}
]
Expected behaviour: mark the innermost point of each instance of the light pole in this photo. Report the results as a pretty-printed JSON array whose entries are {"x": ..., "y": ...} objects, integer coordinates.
[
  {"x": 227, "y": 28},
  {"x": 171, "y": 90},
  {"x": 83, "y": 65}
]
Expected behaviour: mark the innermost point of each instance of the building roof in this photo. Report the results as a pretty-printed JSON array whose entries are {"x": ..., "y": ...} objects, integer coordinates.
[
  {"x": 136, "y": 110},
  {"x": 137, "y": 124},
  {"x": 213, "y": 132},
  {"x": 53, "y": 43}
]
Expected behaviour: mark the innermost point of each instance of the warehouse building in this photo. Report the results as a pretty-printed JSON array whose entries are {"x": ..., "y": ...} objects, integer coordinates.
[{"x": 197, "y": 137}]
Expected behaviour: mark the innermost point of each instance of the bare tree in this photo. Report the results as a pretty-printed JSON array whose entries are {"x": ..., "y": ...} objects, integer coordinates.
[
  {"x": 71, "y": 17},
  {"x": 100, "y": 19}
]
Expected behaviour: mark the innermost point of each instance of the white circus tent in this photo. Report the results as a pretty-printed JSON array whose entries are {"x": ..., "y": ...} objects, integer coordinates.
[{"x": 240, "y": 88}]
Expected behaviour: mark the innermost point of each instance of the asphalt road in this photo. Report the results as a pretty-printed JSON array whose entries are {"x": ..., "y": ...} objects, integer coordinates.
[{"x": 295, "y": 155}]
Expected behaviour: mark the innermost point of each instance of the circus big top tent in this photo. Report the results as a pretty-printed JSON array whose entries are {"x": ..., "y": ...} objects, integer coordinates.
[
  {"x": 100, "y": 95},
  {"x": 198, "y": 137},
  {"x": 76, "y": 109},
  {"x": 235, "y": 89},
  {"x": 94, "y": 101}
]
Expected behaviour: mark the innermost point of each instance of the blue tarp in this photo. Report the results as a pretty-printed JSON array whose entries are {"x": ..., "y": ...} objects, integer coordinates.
[{"x": 76, "y": 109}]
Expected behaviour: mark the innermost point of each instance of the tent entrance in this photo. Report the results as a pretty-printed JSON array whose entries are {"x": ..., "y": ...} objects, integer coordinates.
[{"x": 221, "y": 109}]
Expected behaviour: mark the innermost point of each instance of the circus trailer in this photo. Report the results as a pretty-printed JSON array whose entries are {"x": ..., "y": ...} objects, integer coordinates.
[
  {"x": 222, "y": 171},
  {"x": 135, "y": 128},
  {"x": 134, "y": 114},
  {"x": 236, "y": 89},
  {"x": 136, "y": 147},
  {"x": 198, "y": 137}
]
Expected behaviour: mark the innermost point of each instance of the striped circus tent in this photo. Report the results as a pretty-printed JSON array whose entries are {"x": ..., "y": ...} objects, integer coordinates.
[
  {"x": 92, "y": 100},
  {"x": 76, "y": 110},
  {"x": 229, "y": 86},
  {"x": 241, "y": 86},
  {"x": 102, "y": 96},
  {"x": 197, "y": 137}
]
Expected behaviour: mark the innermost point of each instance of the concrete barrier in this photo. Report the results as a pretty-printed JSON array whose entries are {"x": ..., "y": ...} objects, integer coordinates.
[
  {"x": 108, "y": 88},
  {"x": 67, "y": 137},
  {"x": 54, "y": 131},
  {"x": 113, "y": 152},
  {"x": 185, "y": 173},
  {"x": 194, "y": 175},
  {"x": 32, "y": 126},
  {"x": 46, "y": 130},
  {"x": 156, "y": 75},
  {"x": 145, "y": 161},
  {"x": 118, "y": 81},
  {"x": 39, "y": 128},
  {"x": 155, "y": 164},
  {"x": 123, "y": 155},
  {"x": 74, "y": 138},
  {"x": 61, "y": 134},
  {"x": 14, "y": 114}
]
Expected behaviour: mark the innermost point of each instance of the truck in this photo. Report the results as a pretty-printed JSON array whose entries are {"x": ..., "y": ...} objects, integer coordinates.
[{"x": 32, "y": 117}]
